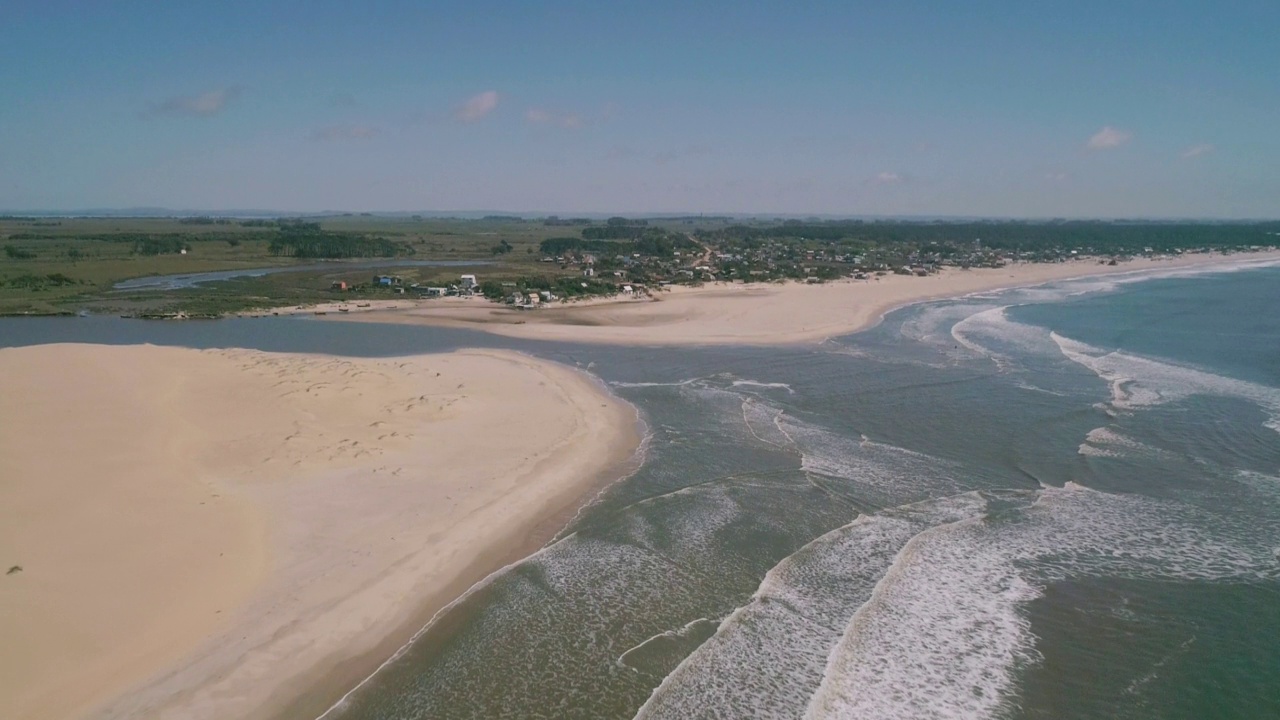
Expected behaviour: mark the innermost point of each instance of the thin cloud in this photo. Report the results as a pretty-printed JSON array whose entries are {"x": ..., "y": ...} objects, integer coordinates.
[
  {"x": 1197, "y": 150},
  {"x": 539, "y": 116},
  {"x": 477, "y": 106},
  {"x": 345, "y": 132},
  {"x": 888, "y": 178},
  {"x": 203, "y": 105},
  {"x": 1107, "y": 138}
]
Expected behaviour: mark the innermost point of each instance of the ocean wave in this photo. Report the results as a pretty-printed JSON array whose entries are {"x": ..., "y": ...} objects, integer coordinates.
[
  {"x": 885, "y": 474},
  {"x": 993, "y": 335},
  {"x": 678, "y": 383},
  {"x": 1139, "y": 382},
  {"x": 767, "y": 657},
  {"x": 1107, "y": 441},
  {"x": 767, "y": 385},
  {"x": 919, "y": 610},
  {"x": 941, "y": 635},
  {"x": 944, "y": 634}
]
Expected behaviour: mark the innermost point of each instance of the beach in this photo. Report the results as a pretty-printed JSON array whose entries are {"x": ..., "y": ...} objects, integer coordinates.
[
  {"x": 753, "y": 314},
  {"x": 239, "y": 533},
  {"x": 217, "y": 533}
]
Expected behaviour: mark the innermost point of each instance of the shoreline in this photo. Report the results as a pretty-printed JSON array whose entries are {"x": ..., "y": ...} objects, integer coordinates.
[
  {"x": 754, "y": 314},
  {"x": 311, "y": 700},
  {"x": 336, "y": 593}
]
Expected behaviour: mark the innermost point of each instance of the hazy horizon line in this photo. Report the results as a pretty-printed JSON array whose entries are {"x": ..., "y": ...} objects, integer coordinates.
[{"x": 141, "y": 212}]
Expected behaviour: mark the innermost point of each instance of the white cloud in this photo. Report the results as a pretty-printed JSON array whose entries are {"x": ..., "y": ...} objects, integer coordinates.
[
  {"x": 1107, "y": 138},
  {"x": 538, "y": 116},
  {"x": 477, "y": 106},
  {"x": 346, "y": 132},
  {"x": 203, "y": 105},
  {"x": 888, "y": 178},
  {"x": 1198, "y": 150}
]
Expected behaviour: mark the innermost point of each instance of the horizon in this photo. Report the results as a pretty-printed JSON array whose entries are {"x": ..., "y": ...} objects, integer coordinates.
[
  {"x": 1015, "y": 111},
  {"x": 157, "y": 213}
]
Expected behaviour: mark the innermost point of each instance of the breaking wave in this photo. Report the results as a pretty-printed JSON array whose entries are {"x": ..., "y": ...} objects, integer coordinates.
[{"x": 1138, "y": 382}]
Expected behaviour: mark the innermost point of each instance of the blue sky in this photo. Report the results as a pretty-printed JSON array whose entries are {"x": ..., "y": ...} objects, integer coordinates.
[{"x": 1028, "y": 109}]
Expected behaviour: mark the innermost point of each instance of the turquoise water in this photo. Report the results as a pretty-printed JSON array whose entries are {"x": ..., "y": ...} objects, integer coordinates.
[{"x": 1053, "y": 502}]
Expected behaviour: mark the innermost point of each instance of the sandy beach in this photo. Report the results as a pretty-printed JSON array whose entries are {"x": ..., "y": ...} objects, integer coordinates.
[
  {"x": 213, "y": 534},
  {"x": 755, "y": 314}
]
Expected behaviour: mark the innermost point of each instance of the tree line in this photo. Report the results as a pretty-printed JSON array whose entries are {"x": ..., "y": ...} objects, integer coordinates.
[
  {"x": 651, "y": 242},
  {"x": 1091, "y": 236}
]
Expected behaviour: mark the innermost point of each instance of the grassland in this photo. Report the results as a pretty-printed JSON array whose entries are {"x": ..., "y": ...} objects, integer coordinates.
[{"x": 68, "y": 265}]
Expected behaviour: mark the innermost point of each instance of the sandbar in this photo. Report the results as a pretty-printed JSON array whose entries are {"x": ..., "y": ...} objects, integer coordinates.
[{"x": 219, "y": 533}]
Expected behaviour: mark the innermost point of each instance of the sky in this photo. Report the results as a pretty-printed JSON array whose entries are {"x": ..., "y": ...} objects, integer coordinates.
[{"x": 1021, "y": 109}]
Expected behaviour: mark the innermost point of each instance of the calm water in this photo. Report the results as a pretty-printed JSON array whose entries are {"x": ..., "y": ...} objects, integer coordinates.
[{"x": 1056, "y": 502}]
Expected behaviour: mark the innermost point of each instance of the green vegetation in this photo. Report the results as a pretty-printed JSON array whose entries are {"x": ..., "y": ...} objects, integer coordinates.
[
  {"x": 308, "y": 240},
  {"x": 39, "y": 282},
  {"x": 561, "y": 287},
  {"x": 62, "y": 265},
  {"x": 1093, "y": 237},
  {"x": 650, "y": 241}
]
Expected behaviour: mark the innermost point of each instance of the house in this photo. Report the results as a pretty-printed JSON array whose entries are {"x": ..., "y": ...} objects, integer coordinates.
[
  {"x": 339, "y": 285},
  {"x": 469, "y": 283},
  {"x": 434, "y": 292},
  {"x": 387, "y": 280}
]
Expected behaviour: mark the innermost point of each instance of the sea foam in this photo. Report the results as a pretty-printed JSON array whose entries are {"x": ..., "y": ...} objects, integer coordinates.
[
  {"x": 767, "y": 658},
  {"x": 1139, "y": 382}
]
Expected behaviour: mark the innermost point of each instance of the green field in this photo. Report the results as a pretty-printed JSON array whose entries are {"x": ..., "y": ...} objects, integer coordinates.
[{"x": 65, "y": 265}]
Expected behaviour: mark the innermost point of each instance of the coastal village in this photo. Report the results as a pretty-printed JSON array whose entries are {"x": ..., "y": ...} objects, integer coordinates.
[
  {"x": 639, "y": 261},
  {"x": 206, "y": 267}
]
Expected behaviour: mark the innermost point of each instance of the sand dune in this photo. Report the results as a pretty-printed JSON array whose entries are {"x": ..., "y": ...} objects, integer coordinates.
[
  {"x": 205, "y": 534},
  {"x": 753, "y": 314}
]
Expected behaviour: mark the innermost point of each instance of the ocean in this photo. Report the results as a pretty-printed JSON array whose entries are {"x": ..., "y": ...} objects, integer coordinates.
[{"x": 1050, "y": 502}]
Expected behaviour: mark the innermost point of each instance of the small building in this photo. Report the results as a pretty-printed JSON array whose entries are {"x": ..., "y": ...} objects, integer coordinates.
[
  {"x": 339, "y": 285},
  {"x": 469, "y": 282},
  {"x": 435, "y": 292}
]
